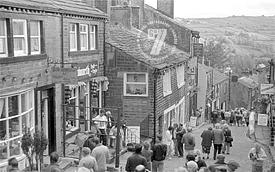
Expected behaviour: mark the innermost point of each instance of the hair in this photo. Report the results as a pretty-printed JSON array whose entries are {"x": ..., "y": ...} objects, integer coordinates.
[
  {"x": 54, "y": 157},
  {"x": 86, "y": 151},
  {"x": 189, "y": 129},
  {"x": 101, "y": 111},
  {"x": 197, "y": 152},
  {"x": 96, "y": 140},
  {"x": 146, "y": 145},
  {"x": 159, "y": 137},
  {"x": 190, "y": 157},
  {"x": 138, "y": 148},
  {"x": 210, "y": 128},
  {"x": 217, "y": 125},
  {"x": 13, "y": 162},
  {"x": 170, "y": 128},
  {"x": 140, "y": 168}
]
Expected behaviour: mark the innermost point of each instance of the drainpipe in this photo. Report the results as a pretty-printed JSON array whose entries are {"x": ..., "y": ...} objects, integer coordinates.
[
  {"x": 155, "y": 74},
  {"x": 62, "y": 85},
  {"x": 104, "y": 59}
]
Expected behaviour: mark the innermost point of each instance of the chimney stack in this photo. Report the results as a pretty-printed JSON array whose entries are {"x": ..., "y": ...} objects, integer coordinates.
[
  {"x": 103, "y": 5},
  {"x": 166, "y": 7}
]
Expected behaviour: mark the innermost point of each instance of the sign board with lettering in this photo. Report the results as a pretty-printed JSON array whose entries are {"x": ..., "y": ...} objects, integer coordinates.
[
  {"x": 267, "y": 89},
  {"x": 262, "y": 119},
  {"x": 133, "y": 134},
  {"x": 198, "y": 50}
]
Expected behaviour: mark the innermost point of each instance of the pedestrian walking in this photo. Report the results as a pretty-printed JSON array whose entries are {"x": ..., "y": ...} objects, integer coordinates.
[
  {"x": 227, "y": 115},
  {"x": 257, "y": 155},
  {"x": 214, "y": 117},
  {"x": 101, "y": 154},
  {"x": 135, "y": 159},
  {"x": 54, "y": 166},
  {"x": 159, "y": 153},
  {"x": 147, "y": 153},
  {"x": 228, "y": 139},
  {"x": 169, "y": 142},
  {"x": 174, "y": 138},
  {"x": 188, "y": 140},
  {"x": 238, "y": 117},
  {"x": 232, "y": 120},
  {"x": 180, "y": 131},
  {"x": 206, "y": 143},
  {"x": 110, "y": 124},
  {"x": 87, "y": 160},
  {"x": 246, "y": 117},
  {"x": 101, "y": 122},
  {"x": 218, "y": 140}
]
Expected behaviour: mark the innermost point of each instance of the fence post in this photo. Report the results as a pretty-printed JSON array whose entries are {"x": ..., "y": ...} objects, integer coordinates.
[{"x": 118, "y": 138}]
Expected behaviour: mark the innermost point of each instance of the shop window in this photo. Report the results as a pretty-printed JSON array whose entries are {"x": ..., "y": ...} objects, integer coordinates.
[
  {"x": 166, "y": 83},
  {"x": 92, "y": 37},
  {"x": 73, "y": 37},
  {"x": 72, "y": 117},
  {"x": 83, "y": 28},
  {"x": 135, "y": 84},
  {"x": 20, "y": 37},
  {"x": 35, "y": 37},
  {"x": 15, "y": 112},
  {"x": 3, "y": 39},
  {"x": 180, "y": 76}
]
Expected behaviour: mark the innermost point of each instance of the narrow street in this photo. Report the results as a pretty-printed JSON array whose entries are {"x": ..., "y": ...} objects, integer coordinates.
[{"x": 239, "y": 151}]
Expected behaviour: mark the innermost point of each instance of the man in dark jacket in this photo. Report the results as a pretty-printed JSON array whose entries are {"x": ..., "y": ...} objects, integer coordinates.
[
  {"x": 180, "y": 131},
  {"x": 89, "y": 142},
  {"x": 188, "y": 140},
  {"x": 136, "y": 159},
  {"x": 206, "y": 143},
  {"x": 159, "y": 155}
]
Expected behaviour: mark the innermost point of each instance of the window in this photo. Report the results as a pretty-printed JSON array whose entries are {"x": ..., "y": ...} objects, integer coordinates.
[
  {"x": 3, "y": 38},
  {"x": 72, "y": 112},
  {"x": 83, "y": 37},
  {"x": 20, "y": 37},
  {"x": 16, "y": 117},
  {"x": 35, "y": 37},
  {"x": 135, "y": 84},
  {"x": 166, "y": 81},
  {"x": 180, "y": 76},
  {"x": 92, "y": 37},
  {"x": 73, "y": 37}
]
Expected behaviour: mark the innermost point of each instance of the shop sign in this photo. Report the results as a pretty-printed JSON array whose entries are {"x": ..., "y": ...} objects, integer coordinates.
[
  {"x": 88, "y": 70},
  {"x": 64, "y": 75},
  {"x": 262, "y": 119},
  {"x": 193, "y": 121}
]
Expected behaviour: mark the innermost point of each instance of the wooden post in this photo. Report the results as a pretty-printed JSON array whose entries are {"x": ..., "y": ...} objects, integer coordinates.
[{"x": 118, "y": 139}]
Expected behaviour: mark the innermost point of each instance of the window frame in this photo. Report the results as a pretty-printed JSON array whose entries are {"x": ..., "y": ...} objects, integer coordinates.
[
  {"x": 87, "y": 37},
  {"x": 75, "y": 35},
  {"x": 39, "y": 37},
  {"x": 169, "y": 91},
  {"x": 6, "y": 39},
  {"x": 25, "y": 36},
  {"x": 7, "y": 118},
  {"x": 94, "y": 34},
  {"x": 181, "y": 83},
  {"x": 125, "y": 82}
]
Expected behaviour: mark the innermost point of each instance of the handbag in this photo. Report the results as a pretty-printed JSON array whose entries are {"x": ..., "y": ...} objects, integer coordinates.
[{"x": 229, "y": 139}]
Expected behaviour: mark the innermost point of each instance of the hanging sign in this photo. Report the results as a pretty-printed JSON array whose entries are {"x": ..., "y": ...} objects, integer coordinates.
[
  {"x": 262, "y": 119},
  {"x": 193, "y": 121}
]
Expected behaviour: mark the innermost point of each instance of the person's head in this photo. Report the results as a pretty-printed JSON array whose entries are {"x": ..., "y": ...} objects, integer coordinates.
[
  {"x": 210, "y": 128},
  {"x": 233, "y": 165},
  {"x": 96, "y": 140},
  {"x": 54, "y": 157},
  {"x": 108, "y": 113},
  {"x": 220, "y": 158},
  {"x": 13, "y": 163},
  {"x": 170, "y": 128},
  {"x": 140, "y": 168},
  {"x": 192, "y": 166},
  {"x": 146, "y": 145},
  {"x": 189, "y": 129},
  {"x": 223, "y": 122},
  {"x": 257, "y": 147},
  {"x": 197, "y": 153},
  {"x": 101, "y": 112},
  {"x": 86, "y": 151},
  {"x": 138, "y": 148},
  {"x": 226, "y": 126},
  {"x": 190, "y": 157},
  {"x": 217, "y": 126},
  {"x": 175, "y": 125}
]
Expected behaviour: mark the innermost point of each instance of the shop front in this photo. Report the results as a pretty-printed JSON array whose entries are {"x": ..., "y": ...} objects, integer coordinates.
[{"x": 17, "y": 116}]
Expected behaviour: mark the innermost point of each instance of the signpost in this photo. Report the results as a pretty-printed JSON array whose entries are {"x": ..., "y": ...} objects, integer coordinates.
[{"x": 267, "y": 89}]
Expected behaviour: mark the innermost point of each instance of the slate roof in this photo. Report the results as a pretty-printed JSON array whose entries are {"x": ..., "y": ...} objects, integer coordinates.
[
  {"x": 60, "y": 6},
  {"x": 133, "y": 42},
  {"x": 248, "y": 82},
  {"x": 218, "y": 76}
]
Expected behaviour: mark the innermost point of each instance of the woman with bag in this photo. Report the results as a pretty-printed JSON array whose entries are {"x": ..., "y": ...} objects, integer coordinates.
[{"x": 228, "y": 139}]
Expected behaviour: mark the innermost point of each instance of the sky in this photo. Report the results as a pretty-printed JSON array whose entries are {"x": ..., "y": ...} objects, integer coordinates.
[{"x": 220, "y": 8}]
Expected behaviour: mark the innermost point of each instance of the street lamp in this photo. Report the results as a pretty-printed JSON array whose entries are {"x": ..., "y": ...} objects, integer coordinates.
[{"x": 228, "y": 71}]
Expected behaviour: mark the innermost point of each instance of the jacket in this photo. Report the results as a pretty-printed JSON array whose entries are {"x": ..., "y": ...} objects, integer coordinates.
[
  {"x": 159, "y": 152},
  {"x": 218, "y": 136},
  {"x": 189, "y": 141}
]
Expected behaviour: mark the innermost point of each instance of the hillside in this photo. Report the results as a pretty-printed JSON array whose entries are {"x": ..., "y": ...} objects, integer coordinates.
[{"x": 247, "y": 38}]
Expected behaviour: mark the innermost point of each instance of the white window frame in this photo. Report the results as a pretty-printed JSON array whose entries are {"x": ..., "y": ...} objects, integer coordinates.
[
  {"x": 5, "y": 37},
  {"x": 92, "y": 41},
  {"x": 30, "y": 109},
  {"x": 19, "y": 52},
  {"x": 180, "y": 77},
  {"x": 166, "y": 78},
  {"x": 75, "y": 35},
  {"x": 83, "y": 48},
  {"x": 39, "y": 37},
  {"x": 142, "y": 83}
]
